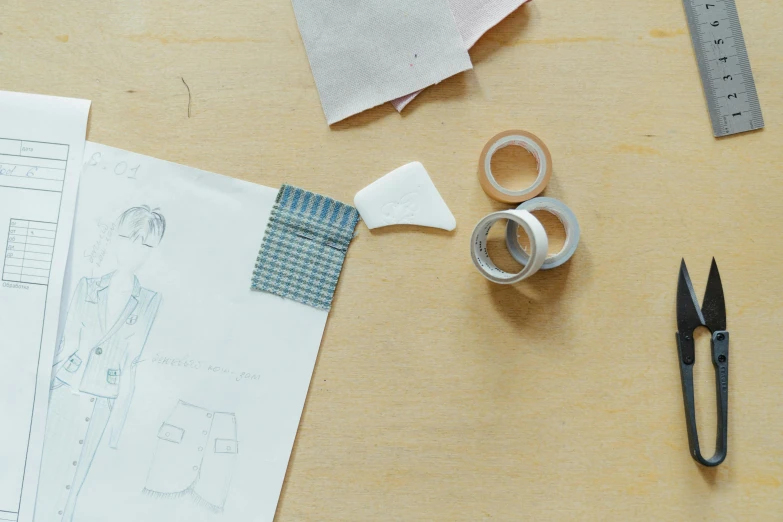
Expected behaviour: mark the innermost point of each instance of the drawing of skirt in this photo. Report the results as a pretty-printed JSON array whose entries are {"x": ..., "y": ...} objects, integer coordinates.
[
  {"x": 195, "y": 456},
  {"x": 74, "y": 429}
]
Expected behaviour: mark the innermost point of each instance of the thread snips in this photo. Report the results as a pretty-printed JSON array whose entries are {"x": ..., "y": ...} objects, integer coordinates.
[{"x": 712, "y": 315}]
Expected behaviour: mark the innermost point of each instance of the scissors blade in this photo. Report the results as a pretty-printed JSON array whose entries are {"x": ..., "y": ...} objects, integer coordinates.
[
  {"x": 714, "y": 306},
  {"x": 688, "y": 312}
]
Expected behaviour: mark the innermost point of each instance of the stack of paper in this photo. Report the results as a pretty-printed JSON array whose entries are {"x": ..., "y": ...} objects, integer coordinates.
[
  {"x": 175, "y": 391},
  {"x": 41, "y": 145}
]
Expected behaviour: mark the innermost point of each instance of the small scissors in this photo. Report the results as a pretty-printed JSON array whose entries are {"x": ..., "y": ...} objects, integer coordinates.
[{"x": 712, "y": 315}]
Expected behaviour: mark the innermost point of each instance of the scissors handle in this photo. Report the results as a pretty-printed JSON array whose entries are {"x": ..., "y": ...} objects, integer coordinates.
[{"x": 720, "y": 359}]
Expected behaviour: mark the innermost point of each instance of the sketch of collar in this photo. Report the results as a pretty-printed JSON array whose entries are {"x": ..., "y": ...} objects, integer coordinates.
[
  {"x": 98, "y": 295},
  {"x": 104, "y": 282}
]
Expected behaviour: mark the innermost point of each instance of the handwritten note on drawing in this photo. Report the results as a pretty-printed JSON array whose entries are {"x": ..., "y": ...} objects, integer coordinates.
[{"x": 206, "y": 367}]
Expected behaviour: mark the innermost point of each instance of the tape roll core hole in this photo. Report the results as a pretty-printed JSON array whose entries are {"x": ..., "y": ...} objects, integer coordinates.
[
  {"x": 555, "y": 231},
  {"x": 497, "y": 249},
  {"x": 514, "y": 167}
]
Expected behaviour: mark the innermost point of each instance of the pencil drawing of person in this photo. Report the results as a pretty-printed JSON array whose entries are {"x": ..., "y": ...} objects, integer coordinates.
[{"x": 106, "y": 328}]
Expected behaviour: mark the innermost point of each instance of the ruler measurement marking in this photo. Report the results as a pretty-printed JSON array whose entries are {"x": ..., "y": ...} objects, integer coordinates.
[{"x": 724, "y": 67}]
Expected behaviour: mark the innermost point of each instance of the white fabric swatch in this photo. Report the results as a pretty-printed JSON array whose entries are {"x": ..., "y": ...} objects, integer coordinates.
[
  {"x": 474, "y": 18},
  {"x": 363, "y": 54}
]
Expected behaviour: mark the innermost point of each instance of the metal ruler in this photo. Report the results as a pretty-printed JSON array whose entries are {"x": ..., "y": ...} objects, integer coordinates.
[{"x": 724, "y": 66}]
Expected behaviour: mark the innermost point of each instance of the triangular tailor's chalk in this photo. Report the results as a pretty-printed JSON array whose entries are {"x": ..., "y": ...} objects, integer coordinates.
[{"x": 404, "y": 196}]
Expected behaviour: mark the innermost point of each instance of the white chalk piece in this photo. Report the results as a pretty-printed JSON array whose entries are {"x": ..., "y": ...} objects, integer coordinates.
[{"x": 404, "y": 196}]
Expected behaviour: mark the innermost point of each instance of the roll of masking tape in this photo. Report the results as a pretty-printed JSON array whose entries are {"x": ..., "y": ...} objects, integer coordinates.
[
  {"x": 534, "y": 146},
  {"x": 539, "y": 244},
  {"x": 562, "y": 213}
]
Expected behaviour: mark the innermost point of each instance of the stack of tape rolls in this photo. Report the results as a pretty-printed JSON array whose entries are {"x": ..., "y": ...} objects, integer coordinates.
[{"x": 522, "y": 216}]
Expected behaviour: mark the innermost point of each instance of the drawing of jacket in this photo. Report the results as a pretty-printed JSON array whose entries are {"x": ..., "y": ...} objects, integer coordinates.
[
  {"x": 196, "y": 455},
  {"x": 99, "y": 358}
]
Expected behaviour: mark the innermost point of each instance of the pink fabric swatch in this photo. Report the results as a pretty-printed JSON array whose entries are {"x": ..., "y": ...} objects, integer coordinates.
[{"x": 474, "y": 18}]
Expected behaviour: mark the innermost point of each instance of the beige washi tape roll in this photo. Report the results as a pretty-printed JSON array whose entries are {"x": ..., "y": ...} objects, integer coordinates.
[{"x": 534, "y": 146}]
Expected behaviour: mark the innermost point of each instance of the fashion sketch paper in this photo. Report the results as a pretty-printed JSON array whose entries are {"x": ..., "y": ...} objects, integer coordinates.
[
  {"x": 177, "y": 390},
  {"x": 41, "y": 145}
]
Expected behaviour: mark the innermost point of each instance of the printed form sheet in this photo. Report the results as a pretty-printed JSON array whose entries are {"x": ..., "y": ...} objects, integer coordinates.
[
  {"x": 178, "y": 390},
  {"x": 41, "y": 144}
]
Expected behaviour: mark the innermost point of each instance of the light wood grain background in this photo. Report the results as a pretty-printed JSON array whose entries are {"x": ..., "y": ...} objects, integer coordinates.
[{"x": 437, "y": 395}]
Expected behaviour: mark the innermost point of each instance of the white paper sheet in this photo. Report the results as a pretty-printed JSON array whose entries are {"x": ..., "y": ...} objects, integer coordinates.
[
  {"x": 178, "y": 390},
  {"x": 41, "y": 143}
]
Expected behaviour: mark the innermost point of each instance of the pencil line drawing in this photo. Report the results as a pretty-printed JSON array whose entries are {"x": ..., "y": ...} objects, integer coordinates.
[
  {"x": 106, "y": 328},
  {"x": 195, "y": 456}
]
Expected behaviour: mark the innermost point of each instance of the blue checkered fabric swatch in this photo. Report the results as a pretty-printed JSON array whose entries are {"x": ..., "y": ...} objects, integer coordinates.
[{"x": 304, "y": 247}]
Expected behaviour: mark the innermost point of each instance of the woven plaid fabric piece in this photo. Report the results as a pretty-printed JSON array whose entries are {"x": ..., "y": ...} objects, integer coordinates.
[{"x": 304, "y": 247}]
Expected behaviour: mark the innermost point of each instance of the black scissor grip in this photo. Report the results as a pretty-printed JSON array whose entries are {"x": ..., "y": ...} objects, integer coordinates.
[{"x": 720, "y": 359}]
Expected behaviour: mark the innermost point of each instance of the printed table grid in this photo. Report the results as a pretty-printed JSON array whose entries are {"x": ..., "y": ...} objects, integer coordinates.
[
  {"x": 32, "y": 165},
  {"x": 29, "y": 252},
  {"x": 8, "y": 516}
]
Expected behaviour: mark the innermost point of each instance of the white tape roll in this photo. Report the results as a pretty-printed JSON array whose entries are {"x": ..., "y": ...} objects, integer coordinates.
[
  {"x": 561, "y": 212},
  {"x": 539, "y": 244}
]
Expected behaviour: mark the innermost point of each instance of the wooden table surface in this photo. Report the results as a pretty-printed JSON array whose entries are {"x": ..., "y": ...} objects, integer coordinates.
[{"x": 437, "y": 395}]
